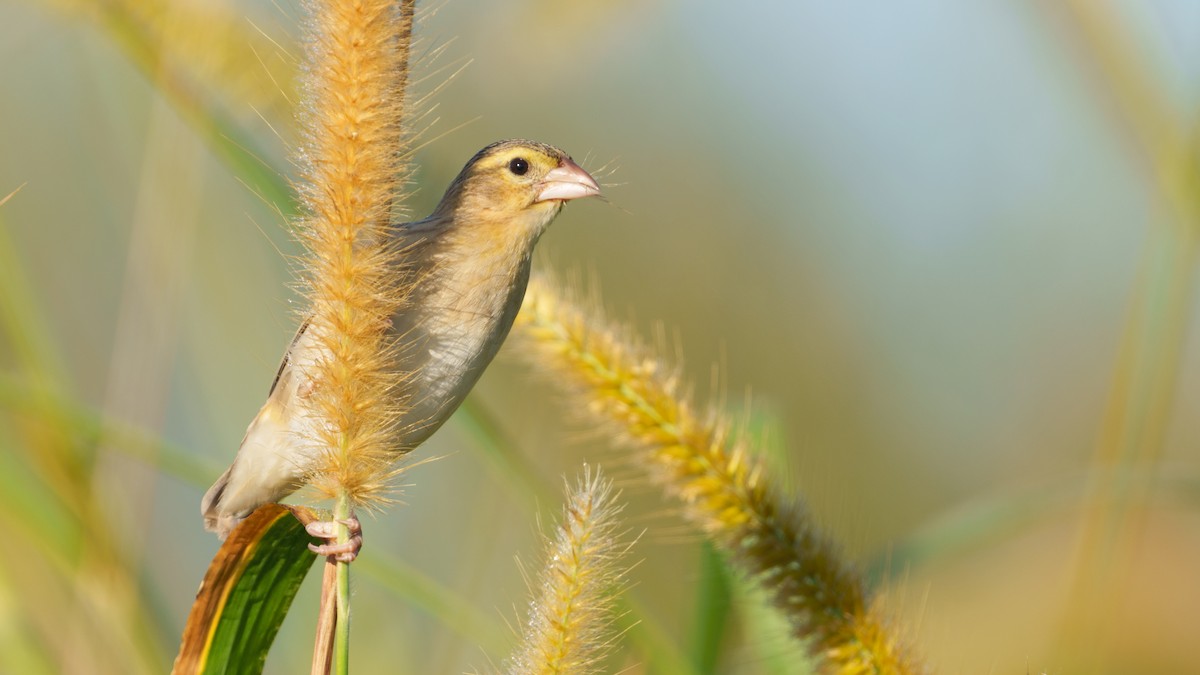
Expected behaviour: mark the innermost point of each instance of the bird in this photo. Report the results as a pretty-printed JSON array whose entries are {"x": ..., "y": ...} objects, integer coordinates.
[{"x": 471, "y": 258}]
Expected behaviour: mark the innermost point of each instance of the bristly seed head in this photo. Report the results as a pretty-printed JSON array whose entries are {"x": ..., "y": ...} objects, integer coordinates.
[
  {"x": 572, "y": 607},
  {"x": 352, "y": 174}
]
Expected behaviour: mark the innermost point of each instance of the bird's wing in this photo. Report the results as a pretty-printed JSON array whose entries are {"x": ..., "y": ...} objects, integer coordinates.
[
  {"x": 269, "y": 464},
  {"x": 287, "y": 356}
]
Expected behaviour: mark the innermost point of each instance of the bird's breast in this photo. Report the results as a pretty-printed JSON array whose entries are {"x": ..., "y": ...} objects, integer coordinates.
[{"x": 450, "y": 334}]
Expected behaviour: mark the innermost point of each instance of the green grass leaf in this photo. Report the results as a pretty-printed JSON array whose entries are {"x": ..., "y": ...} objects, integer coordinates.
[{"x": 246, "y": 594}]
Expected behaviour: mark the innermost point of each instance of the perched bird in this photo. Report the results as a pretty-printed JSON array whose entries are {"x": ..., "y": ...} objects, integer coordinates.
[{"x": 471, "y": 260}]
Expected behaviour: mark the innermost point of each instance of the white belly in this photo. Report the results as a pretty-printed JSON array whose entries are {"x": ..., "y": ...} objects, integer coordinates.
[{"x": 449, "y": 347}]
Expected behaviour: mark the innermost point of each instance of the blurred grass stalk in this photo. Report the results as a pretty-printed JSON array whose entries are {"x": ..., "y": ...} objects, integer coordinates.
[
  {"x": 197, "y": 56},
  {"x": 80, "y": 592},
  {"x": 93, "y": 546},
  {"x": 1145, "y": 380}
]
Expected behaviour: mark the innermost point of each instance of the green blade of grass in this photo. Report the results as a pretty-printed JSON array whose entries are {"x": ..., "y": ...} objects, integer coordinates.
[{"x": 246, "y": 594}]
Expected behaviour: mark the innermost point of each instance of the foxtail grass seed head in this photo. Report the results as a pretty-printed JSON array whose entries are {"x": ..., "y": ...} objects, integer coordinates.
[
  {"x": 695, "y": 457},
  {"x": 352, "y": 174},
  {"x": 330, "y": 419},
  {"x": 571, "y": 612}
]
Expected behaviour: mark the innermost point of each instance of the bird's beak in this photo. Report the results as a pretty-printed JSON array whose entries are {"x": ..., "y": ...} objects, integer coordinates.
[{"x": 567, "y": 181}]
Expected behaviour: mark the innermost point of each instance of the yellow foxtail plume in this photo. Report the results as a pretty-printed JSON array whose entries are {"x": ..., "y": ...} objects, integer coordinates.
[
  {"x": 352, "y": 174},
  {"x": 696, "y": 458},
  {"x": 572, "y": 607}
]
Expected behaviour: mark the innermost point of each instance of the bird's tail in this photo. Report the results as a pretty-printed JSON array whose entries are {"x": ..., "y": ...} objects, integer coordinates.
[{"x": 210, "y": 507}]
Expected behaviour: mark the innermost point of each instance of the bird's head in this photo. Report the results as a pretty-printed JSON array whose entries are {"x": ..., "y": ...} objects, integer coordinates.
[{"x": 517, "y": 183}]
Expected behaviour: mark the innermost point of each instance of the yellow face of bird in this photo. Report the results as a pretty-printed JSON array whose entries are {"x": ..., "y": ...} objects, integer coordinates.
[{"x": 517, "y": 182}]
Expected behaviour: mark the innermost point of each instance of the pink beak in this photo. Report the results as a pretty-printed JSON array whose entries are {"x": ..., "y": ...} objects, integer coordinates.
[{"x": 566, "y": 182}]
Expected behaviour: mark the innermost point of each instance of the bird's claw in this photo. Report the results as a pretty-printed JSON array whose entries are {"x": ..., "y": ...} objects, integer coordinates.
[{"x": 344, "y": 552}]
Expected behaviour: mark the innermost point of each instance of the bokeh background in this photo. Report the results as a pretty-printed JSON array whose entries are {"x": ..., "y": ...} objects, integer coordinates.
[{"x": 939, "y": 254}]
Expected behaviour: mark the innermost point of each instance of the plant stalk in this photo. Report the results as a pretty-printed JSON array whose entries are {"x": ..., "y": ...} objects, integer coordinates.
[{"x": 341, "y": 636}]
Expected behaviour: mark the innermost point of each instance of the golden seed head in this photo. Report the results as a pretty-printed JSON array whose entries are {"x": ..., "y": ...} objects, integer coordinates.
[{"x": 352, "y": 175}]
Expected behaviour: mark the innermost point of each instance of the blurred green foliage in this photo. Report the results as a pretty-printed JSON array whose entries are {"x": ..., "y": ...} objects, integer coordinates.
[{"x": 949, "y": 246}]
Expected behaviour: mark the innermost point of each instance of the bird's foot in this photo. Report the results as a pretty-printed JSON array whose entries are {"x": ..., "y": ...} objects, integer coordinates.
[{"x": 344, "y": 552}]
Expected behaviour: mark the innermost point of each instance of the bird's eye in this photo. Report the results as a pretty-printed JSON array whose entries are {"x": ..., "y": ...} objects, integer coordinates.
[{"x": 518, "y": 166}]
